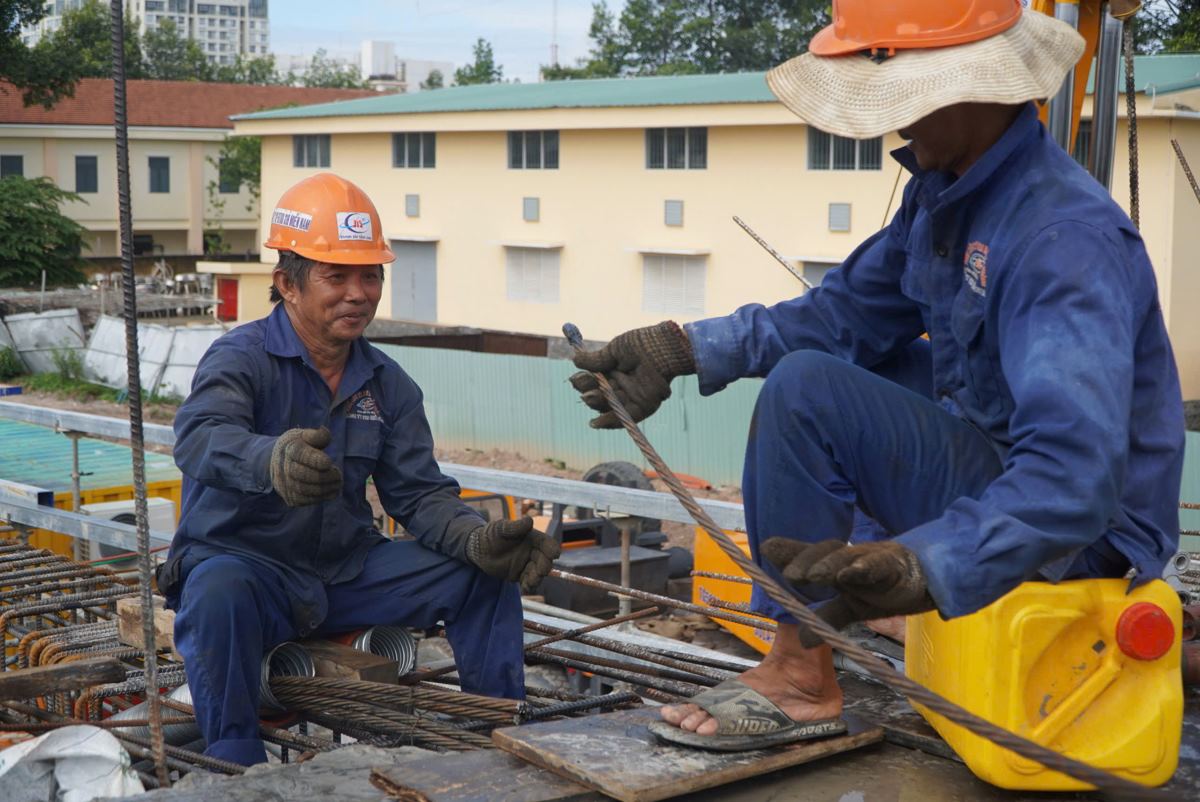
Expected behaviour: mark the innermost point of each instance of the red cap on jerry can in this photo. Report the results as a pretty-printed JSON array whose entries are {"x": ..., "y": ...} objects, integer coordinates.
[{"x": 1145, "y": 631}]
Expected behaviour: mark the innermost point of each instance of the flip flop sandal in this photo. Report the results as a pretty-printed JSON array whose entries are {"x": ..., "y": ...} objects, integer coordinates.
[{"x": 745, "y": 720}]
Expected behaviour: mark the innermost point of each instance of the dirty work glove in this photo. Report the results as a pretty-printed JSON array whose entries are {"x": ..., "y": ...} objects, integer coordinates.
[
  {"x": 301, "y": 472},
  {"x": 874, "y": 580},
  {"x": 513, "y": 551},
  {"x": 640, "y": 365}
]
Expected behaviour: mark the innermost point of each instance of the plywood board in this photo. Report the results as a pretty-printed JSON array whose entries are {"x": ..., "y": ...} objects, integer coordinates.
[{"x": 616, "y": 754}]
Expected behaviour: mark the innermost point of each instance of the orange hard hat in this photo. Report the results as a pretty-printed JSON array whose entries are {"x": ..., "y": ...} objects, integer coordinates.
[
  {"x": 869, "y": 25},
  {"x": 328, "y": 219}
]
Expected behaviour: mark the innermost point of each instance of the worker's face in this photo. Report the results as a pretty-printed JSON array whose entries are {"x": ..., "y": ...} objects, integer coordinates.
[
  {"x": 337, "y": 301},
  {"x": 939, "y": 141}
]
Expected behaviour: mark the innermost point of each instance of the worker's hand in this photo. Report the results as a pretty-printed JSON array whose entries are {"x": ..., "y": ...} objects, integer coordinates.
[
  {"x": 301, "y": 472},
  {"x": 874, "y": 580},
  {"x": 513, "y": 551},
  {"x": 640, "y": 365}
]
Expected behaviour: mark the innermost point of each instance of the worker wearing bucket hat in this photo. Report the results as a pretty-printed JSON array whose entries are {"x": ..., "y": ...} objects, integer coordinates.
[
  {"x": 1037, "y": 433},
  {"x": 288, "y": 419}
]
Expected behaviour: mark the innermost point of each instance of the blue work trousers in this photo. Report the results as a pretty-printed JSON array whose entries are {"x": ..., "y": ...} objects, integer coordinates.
[
  {"x": 837, "y": 452},
  {"x": 232, "y": 611}
]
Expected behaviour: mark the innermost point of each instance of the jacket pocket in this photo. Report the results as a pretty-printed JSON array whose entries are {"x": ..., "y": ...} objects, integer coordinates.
[{"x": 979, "y": 369}]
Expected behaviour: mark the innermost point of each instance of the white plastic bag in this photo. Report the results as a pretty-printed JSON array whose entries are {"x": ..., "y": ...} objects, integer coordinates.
[{"x": 86, "y": 762}]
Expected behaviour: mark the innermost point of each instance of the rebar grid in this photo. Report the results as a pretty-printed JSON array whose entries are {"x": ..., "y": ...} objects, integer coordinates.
[{"x": 1105, "y": 781}]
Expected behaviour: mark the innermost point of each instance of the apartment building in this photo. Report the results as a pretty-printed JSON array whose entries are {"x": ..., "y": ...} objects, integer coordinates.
[
  {"x": 610, "y": 202},
  {"x": 224, "y": 30},
  {"x": 176, "y": 130}
]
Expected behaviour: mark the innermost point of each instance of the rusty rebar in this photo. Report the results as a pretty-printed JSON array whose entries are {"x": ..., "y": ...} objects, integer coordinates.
[
  {"x": 608, "y": 700},
  {"x": 741, "y": 580},
  {"x": 678, "y": 690}
]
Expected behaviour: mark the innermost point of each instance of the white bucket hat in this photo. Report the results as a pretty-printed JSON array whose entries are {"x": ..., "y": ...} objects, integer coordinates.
[{"x": 860, "y": 97}]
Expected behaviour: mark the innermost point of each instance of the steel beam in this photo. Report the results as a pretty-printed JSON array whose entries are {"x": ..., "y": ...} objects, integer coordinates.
[{"x": 16, "y": 510}]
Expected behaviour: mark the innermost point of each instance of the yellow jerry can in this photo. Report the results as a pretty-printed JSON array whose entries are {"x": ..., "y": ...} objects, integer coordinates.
[{"x": 1082, "y": 667}]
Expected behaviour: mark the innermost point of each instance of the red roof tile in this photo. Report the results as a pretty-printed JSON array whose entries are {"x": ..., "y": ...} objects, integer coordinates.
[{"x": 182, "y": 104}]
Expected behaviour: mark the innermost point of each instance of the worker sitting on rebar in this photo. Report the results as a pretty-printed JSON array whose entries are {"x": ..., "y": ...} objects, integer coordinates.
[
  {"x": 1037, "y": 434},
  {"x": 288, "y": 419}
]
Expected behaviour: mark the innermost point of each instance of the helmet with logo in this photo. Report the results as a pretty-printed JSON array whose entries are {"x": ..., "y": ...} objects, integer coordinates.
[
  {"x": 860, "y": 25},
  {"x": 328, "y": 219}
]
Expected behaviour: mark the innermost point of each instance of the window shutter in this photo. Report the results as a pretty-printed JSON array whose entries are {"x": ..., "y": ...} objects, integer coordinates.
[
  {"x": 839, "y": 217},
  {"x": 673, "y": 212},
  {"x": 412, "y": 205},
  {"x": 530, "y": 209}
]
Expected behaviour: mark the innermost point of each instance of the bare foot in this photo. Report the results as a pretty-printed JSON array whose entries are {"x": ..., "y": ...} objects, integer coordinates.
[
  {"x": 801, "y": 681},
  {"x": 890, "y": 627}
]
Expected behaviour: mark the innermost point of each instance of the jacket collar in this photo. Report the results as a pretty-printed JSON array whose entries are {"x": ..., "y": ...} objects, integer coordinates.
[
  {"x": 281, "y": 340},
  {"x": 944, "y": 189}
]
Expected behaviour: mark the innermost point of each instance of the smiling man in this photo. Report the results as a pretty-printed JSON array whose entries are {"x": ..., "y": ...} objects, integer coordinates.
[
  {"x": 1036, "y": 434},
  {"x": 287, "y": 420}
]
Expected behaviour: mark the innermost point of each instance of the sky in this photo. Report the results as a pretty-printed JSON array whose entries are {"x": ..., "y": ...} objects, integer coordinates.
[{"x": 443, "y": 30}]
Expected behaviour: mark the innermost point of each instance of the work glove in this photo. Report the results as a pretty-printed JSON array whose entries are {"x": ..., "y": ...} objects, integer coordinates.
[
  {"x": 513, "y": 551},
  {"x": 640, "y": 365},
  {"x": 301, "y": 472},
  {"x": 874, "y": 580}
]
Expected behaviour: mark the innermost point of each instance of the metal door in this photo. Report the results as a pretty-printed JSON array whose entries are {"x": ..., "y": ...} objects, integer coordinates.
[
  {"x": 414, "y": 281},
  {"x": 227, "y": 297}
]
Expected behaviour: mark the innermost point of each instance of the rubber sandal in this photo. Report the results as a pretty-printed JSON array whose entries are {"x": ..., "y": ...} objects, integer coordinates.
[{"x": 745, "y": 720}]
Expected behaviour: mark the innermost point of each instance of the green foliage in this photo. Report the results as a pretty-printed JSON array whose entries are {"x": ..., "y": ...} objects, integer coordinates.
[
  {"x": 85, "y": 42},
  {"x": 68, "y": 363},
  {"x": 483, "y": 70},
  {"x": 10, "y": 364},
  {"x": 40, "y": 79},
  {"x": 240, "y": 162},
  {"x": 73, "y": 388},
  {"x": 35, "y": 235},
  {"x": 172, "y": 57},
  {"x": 435, "y": 80},
  {"x": 1168, "y": 26},
  {"x": 257, "y": 70},
  {"x": 324, "y": 72},
  {"x": 680, "y": 37}
]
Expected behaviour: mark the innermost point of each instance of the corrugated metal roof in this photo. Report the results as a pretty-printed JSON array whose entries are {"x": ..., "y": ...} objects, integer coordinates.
[
  {"x": 1174, "y": 71},
  {"x": 36, "y": 455},
  {"x": 676, "y": 90}
]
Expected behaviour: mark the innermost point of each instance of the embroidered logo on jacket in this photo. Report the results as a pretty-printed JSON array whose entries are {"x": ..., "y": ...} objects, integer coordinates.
[
  {"x": 975, "y": 267},
  {"x": 363, "y": 407}
]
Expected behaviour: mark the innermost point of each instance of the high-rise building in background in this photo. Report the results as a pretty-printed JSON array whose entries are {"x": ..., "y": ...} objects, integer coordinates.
[
  {"x": 387, "y": 72},
  {"x": 223, "y": 30}
]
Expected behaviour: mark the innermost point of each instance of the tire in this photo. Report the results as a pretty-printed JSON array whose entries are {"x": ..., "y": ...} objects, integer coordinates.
[{"x": 621, "y": 474}]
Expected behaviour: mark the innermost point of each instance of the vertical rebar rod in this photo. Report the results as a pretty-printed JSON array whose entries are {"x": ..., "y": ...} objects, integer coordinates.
[
  {"x": 137, "y": 442},
  {"x": 1131, "y": 121}
]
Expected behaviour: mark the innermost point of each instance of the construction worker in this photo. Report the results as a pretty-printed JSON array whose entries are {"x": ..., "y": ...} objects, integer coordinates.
[
  {"x": 288, "y": 418},
  {"x": 1038, "y": 434}
]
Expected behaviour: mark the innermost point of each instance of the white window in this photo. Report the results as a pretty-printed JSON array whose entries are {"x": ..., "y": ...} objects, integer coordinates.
[
  {"x": 673, "y": 284},
  {"x": 533, "y": 274},
  {"x": 827, "y": 151}
]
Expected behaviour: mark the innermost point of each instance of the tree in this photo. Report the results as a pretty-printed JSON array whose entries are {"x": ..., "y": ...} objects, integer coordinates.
[
  {"x": 1171, "y": 26},
  {"x": 673, "y": 37},
  {"x": 171, "y": 57},
  {"x": 324, "y": 71},
  {"x": 257, "y": 70},
  {"x": 239, "y": 162},
  {"x": 85, "y": 41},
  {"x": 483, "y": 70},
  {"x": 435, "y": 80},
  {"x": 35, "y": 235},
  {"x": 39, "y": 79}
]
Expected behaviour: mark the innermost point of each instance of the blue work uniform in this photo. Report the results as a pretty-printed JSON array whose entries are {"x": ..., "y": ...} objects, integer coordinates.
[
  {"x": 247, "y": 572},
  {"x": 1039, "y": 432}
]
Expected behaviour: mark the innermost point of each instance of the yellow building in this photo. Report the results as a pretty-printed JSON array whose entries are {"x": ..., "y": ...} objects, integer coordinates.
[
  {"x": 610, "y": 202},
  {"x": 176, "y": 129}
]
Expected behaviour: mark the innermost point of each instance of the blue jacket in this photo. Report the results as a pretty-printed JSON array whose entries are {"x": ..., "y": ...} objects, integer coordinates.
[
  {"x": 1042, "y": 311},
  {"x": 254, "y": 384}
]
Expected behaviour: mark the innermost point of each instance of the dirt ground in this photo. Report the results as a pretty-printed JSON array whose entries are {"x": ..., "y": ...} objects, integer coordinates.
[{"x": 678, "y": 534}]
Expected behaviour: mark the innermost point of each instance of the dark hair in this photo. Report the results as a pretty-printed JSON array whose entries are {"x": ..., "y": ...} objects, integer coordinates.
[{"x": 296, "y": 268}]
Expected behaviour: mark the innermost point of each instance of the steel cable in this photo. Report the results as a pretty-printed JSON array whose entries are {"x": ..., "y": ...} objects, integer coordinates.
[
  {"x": 1131, "y": 121},
  {"x": 1105, "y": 781}
]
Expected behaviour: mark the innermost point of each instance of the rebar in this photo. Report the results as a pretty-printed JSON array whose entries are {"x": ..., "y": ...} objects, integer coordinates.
[
  {"x": 640, "y": 653},
  {"x": 399, "y": 696},
  {"x": 1103, "y": 780},
  {"x": 608, "y": 700},
  {"x": 659, "y": 672},
  {"x": 678, "y": 690},
  {"x": 666, "y": 601},
  {"x": 185, "y": 756},
  {"x": 382, "y": 719},
  {"x": 742, "y": 580}
]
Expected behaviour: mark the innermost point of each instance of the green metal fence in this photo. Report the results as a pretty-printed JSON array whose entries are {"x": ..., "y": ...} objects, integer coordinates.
[{"x": 524, "y": 404}]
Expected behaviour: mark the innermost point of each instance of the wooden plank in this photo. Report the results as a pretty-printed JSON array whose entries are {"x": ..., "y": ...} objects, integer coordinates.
[
  {"x": 345, "y": 662},
  {"x": 488, "y": 775},
  {"x": 28, "y": 683},
  {"x": 616, "y": 754},
  {"x": 129, "y": 625}
]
